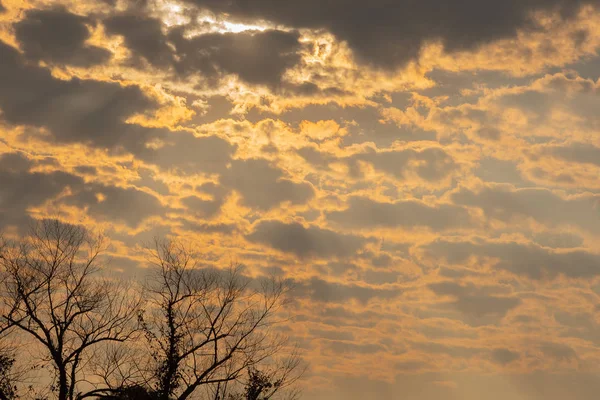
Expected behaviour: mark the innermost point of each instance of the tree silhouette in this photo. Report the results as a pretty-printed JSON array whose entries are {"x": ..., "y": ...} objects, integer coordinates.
[
  {"x": 8, "y": 389},
  {"x": 51, "y": 293},
  {"x": 196, "y": 331},
  {"x": 205, "y": 327}
]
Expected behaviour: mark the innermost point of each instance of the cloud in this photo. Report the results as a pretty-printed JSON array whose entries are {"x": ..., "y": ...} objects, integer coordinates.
[
  {"x": 478, "y": 304},
  {"x": 74, "y": 111},
  {"x": 504, "y": 356},
  {"x": 144, "y": 37},
  {"x": 257, "y": 57},
  {"x": 57, "y": 36},
  {"x": 431, "y": 164},
  {"x": 527, "y": 260},
  {"x": 128, "y": 205},
  {"x": 333, "y": 292},
  {"x": 264, "y": 186},
  {"x": 305, "y": 242},
  {"x": 202, "y": 208},
  {"x": 23, "y": 188},
  {"x": 189, "y": 154},
  {"x": 558, "y": 351},
  {"x": 340, "y": 347},
  {"x": 455, "y": 351},
  {"x": 507, "y": 204},
  {"x": 96, "y": 113},
  {"x": 364, "y": 212},
  {"x": 389, "y": 35},
  {"x": 576, "y": 152}
]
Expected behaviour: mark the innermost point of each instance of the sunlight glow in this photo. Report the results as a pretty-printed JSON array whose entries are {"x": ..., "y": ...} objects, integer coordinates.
[{"x": 238, "y": 27}]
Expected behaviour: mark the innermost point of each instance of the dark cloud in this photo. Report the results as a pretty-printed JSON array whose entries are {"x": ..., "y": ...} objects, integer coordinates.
[
  {"x": 57, "y": 36},
  {"x": 332, "y": 292},
  {"x": 558, "y": 351},
  {"x": 478, "y": 304},
  {"x": 411, "y": 366},
  {"x": 264, "y": 186},
  {"x": 203, "y": 227},
  {"x": 305, "y": 242},
  {"x": 451, "y": 350},
  {"x": 23, "y": 188},
  {"x": 431, "y": 164},
  {"x": 185, "y": 153},
  {"x": 95, "y": 113},
  {"x": 128, "y": 205},
  {"x": 332, "y": 334},
  {"x": 144, "y": 37},
  {"x": 504, "y": 356},
  {"x": 257, "y": 57},
  {"x": 577, "y": 153},
  {"x": 507, "y": 204},
  {"x": 530, "y": 261},
  {"x": 363, "y": 212},
  {"x": 340, "y": 347},
  {"x": 558, "y": 240},
  {"x": 2, "y": 8},
  {"x": 148, "y": 179},
  {"x": 389, "y": 33},
  {"x": 74, "y": 111},
  {"x": 202, "y": 208}
]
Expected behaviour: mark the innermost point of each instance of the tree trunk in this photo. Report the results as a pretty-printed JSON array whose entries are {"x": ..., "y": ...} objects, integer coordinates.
[{"x": 63, "y": 384}]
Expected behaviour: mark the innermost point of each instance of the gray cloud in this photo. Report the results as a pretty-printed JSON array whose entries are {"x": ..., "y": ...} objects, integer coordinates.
[
  {"x": 23, "y": 188},
  {"x": 144, "y": 37},
  {"x": 478, "y": 304},
  {"x": 332, "y": 334},
  {"x": 332, "y": 292},
  {"x": 340, "y": 347},
  {"x": 258, "y": 57},
  {"x": 506, "y": 204},
  {"x": 504, "y": 356},
  {"x": 94, "y": 113},
  {"x": 264, "y": 186},
  {"x": 431, "y": 164},
  {"x": 128, "y": 205},
  {"x": 202, "y": 208},
  {"x": 363, "y": 212},
  {"x": 203, "y": 227},
  {"x": 451, "y": 350},
  {"x": 577, "y": 152},
  {"x": 411, "y": 365},
  {"x": 388, "y": 34},
  {"x": 531, "y": 261},
  {"x": 82, "y": 111},
  {"x": 305, "y": 242},
  {"x": 57, "y": 36},
  {"x": 188, "y": 154},
  {"x": 558, "y": 351}
]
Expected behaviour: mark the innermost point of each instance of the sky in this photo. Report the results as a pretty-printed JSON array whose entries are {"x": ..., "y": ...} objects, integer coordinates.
[{"x": 425, "y": 172}]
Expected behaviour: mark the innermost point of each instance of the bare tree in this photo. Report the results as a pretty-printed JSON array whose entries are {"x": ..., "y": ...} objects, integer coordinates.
[
  {"x": 8, "y": 376},
  {"x": 206, "y": 327},
  {"x": 274, "y": 381},
  {"x": 52, "y": 294}
]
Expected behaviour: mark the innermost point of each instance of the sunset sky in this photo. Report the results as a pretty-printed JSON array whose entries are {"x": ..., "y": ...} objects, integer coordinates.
[{"x": 427, "y": 172}]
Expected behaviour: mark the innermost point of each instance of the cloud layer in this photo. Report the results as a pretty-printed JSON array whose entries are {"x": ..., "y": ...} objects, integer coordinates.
[{"x": 425, "y": 173}]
